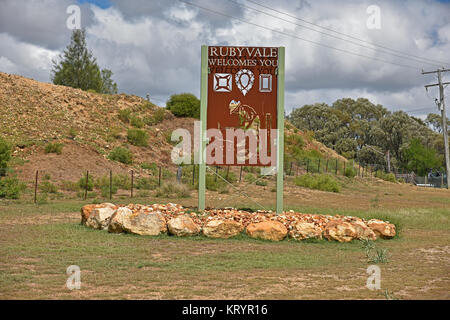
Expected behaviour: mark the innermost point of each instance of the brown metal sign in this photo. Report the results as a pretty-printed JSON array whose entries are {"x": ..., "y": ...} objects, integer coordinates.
[{"x": 242, "y": 93}]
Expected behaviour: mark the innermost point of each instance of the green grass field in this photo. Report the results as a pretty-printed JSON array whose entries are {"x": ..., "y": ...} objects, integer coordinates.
[{"x": 39, "y": 242}]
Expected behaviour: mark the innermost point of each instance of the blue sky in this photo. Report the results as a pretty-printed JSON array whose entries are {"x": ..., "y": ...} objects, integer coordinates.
[{"x": 99, "y": 3}]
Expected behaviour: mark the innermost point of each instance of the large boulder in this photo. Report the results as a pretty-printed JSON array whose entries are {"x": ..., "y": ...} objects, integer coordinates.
[
  {"x": 145, "y": 223},
  {"x": 182, "y": 226},
  {"x": 305, "y": 230},
  {"x": 381, "y": 228},
  {"x": 267, "y": 230},
  {"x": 363, "y": 232},
  {"x": 87, "y": 210},
  {"x": 99, "y": 217},
  {"x": 340, "y": 231},
  {"x": 222, "y": 228},
  {"x": 120, "y": 219}
]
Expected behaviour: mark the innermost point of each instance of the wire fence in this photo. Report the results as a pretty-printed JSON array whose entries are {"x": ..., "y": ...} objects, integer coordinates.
[{"x": 40, "y": 184}]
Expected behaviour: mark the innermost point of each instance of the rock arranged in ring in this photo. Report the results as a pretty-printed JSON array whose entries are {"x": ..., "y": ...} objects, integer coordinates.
[{"x": 172, "y": 218}]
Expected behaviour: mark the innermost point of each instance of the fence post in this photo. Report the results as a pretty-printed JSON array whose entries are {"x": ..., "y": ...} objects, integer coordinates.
[
  {"x": 290, "y": 169},
  {"x": 179, "y": 174},
  {"x": 35, "y": 186},
  {"x": 240, "y": 174},
  {"x": 193, "y": 174},
  {"x": 86, "y": 186},
  {"x": 337, "y": 164},
  {"x": 318, "y": 166},
  {"x": 217, "y": 170},
  {"x": 159, "y": 179},
  {"x": 110, "y": 184},
  {"x": 326, "y": 169},
  {"x": 132, "y": 182},
  {"x": 228, "y": 171}
]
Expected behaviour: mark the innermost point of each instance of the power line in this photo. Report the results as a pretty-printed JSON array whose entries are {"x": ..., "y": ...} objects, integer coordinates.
[
  {"x": 346, "y": 35},
  {"x": 333, "y": 36},
  {"x": 297, "y": 37}
]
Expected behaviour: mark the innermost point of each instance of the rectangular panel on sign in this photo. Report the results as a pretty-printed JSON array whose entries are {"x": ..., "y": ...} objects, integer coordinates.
[{"x": 242, "y": 105}]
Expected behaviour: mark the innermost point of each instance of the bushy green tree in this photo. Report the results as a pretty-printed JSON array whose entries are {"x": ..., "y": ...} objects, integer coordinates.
[
  {"x": 349, "y": 126},
  {"x": 421, "y": 159},
  {"x": 78, "y": 68},
  {"x": 108, "y": 85},
  {"x": 184, "y": 105}
]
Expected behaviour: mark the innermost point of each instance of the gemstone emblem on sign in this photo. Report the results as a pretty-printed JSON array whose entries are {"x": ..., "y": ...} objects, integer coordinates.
[
  {"x": 223, "y": 82},
  {"x": 244, "y": 80}
]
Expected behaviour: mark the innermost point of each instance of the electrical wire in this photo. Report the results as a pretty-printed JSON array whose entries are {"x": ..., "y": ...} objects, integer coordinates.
[
  {"x": 297, "y": 37},
  {"x": 333, "y": 36},
  {"x": 346, "y": 35}
]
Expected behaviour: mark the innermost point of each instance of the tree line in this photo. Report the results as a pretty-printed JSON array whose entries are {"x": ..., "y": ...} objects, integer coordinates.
[{"x": 360, "y": 130}]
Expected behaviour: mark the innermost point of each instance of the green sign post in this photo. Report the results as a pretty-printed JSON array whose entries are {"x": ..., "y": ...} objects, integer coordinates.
[
  {"x": 280, "y": 72},
  {"x": 202, "y": 135},
  {"x": 280, "y": 126}
]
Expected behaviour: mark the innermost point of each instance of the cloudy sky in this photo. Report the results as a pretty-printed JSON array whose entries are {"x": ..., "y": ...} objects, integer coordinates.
[{"x": 153, "y": 46}]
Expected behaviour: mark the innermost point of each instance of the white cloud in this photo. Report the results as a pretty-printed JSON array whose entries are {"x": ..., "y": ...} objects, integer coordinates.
[
  {"x": 154, "y": 47},
  {"x": 25, "y": 59}
]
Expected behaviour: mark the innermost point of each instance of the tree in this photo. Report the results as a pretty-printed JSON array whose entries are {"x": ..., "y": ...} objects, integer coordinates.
[
  {"x": 421, "y": 159},
  {"x": 5, "y": 155},
  {"x": 184, "y": 105},
  {"x": 435, "y": 122},
  {"x": 78, "y": 68},
  {"x": 371, "y": 155},
  {"x": 108, "y": 85},
  {"x": 355, "y": 127}
]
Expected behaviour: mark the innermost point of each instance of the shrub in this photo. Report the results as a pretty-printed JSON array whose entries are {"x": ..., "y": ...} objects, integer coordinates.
[
  {"x": 350, "y": 172},
  {"x": 137, "y": 137},
  {"x": 124, "y": 115},
  {"x": 146, "y": 183},
  {"x": 212, "y": 183},
  {"x": 231, "y": 177},
  {"x": 322, "y": 182},
  {"x": 250, "y": 178},
  {"x": 143, "y": 194},
  {"x": 113, "y": 134},
  {"x": 48, "y": 187},
  {"x": 70, "y": 186},
  {"x": 119, "y": 181},
  {"x": 5, "y": 156},
  {"x": 72, "y": 133},
  {"x": 262, "y": 183},
  {"x": 173, "y": 190},
  {"x": 105, "y": 190},
  {"x": 90, "y": 195},
  {"x": 184, "y": 105},
  {"x": 385, "y": 176},
  {"x": 252, "y": 169},
  {"x": 153, "y": 167},
  {"x": 122, "y": 181},
  {"x": 82, "y": 183},
  {"x": 11, "y": 188},
  {"x": 155, "y": 118},
  {"x": 54, "y": 148},
  {"x": 121, "y": 155},
  {"x": 136, "y": 121}
]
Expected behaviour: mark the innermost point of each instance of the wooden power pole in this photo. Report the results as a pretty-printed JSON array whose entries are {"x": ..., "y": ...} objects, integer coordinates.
[{"x": 441, "y": 106}]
